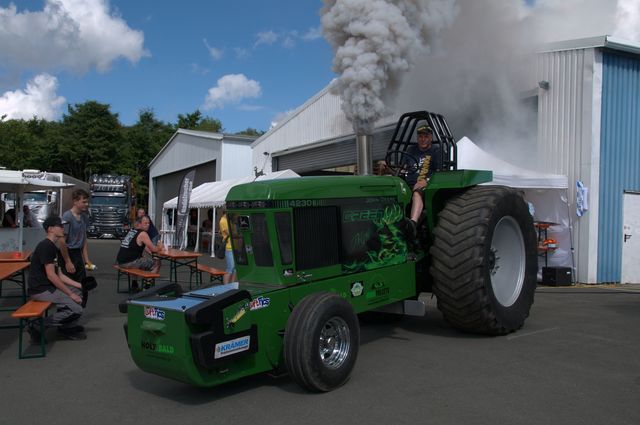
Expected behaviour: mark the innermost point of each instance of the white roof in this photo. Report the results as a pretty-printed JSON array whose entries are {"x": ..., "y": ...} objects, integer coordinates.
[
  {"x": 603, "y": 41},
  {"x": 472, "y": 157},
  {"x": 213, "y": 194},
  {"x": 14, "y": 181}
]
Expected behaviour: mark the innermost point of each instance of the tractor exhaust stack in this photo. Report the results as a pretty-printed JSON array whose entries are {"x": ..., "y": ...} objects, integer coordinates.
[{"x": 363, "y": 154}]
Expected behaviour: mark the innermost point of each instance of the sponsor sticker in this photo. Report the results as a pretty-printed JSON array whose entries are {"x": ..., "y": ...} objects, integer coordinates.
[
  {"x": 227, "y": 348},
  {"x": 357, "y": 288},
  {"x": 157, "y": 348},
  {"x": 153, "y": 313},
  {"x": 258, "y": 303}
]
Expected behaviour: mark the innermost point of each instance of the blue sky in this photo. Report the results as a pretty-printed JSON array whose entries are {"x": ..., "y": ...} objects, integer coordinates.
[{"x": 243, "y": 62}]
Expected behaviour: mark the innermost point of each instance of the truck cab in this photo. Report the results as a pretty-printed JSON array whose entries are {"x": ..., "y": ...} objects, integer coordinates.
[{"x": 110, "y": 206}]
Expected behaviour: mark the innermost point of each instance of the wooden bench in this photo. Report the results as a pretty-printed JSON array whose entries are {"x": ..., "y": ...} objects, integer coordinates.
[
  {"x": 32, "y": 311},
  {"x": 198, "y": 269},
  {"x": 146, "y": 277}
]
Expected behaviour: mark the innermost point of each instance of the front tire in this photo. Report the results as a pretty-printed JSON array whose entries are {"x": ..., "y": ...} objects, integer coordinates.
[
  {"x": 484, "y": 261},
  {"x": 321, "y": 342}
]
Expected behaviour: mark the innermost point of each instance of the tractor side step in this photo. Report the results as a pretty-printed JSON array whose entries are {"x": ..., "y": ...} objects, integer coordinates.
[{"x": 406, "y": 308}]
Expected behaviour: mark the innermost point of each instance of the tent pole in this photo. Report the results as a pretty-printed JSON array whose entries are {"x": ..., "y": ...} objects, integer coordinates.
[
  {"x": 213, "y": 231},
  {"x": 173, "y": 227},
  {"x": 197, "y": 247},
  {"x": 19, "y": 218},
  {"x": 163, "y": 226},
  {"x": 574, "y": 269}
]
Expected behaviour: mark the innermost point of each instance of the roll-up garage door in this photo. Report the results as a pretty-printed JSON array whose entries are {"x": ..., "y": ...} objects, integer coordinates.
[
  {"x": 331, "y": 155},
  {"x": 168, "y": 185}
]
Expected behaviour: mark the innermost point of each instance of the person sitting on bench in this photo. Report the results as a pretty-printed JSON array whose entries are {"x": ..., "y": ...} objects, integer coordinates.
[
  {"x": 47, "y": 283},
  {"x": 132, "y": 248}
]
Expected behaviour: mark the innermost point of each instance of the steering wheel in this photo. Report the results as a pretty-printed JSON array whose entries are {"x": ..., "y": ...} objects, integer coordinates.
[{"x": 401, "y": 163}]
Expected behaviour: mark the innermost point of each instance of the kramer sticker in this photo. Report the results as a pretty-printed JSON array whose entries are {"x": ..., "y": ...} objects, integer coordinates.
[
  {"x": 227, "y": 348},
  {"x": 356, "y": 289},
  {"x": 258, "y": 303},
  {"x": 153, "y": 313}
]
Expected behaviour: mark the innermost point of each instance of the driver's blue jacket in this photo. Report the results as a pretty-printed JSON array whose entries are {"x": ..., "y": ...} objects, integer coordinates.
[{"x": 428, "y": 161}]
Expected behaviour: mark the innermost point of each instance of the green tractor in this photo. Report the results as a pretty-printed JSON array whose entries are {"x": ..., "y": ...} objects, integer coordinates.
[{"x": 313, "y": 253}]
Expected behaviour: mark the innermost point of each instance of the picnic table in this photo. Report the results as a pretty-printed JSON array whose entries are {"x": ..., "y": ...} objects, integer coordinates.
[{"x": 178, "y": 258}]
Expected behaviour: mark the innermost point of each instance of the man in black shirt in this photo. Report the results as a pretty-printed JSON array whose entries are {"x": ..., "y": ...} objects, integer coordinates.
[
  {"x": 133, "y": 246},
  {"x": 47, "y": 283}
]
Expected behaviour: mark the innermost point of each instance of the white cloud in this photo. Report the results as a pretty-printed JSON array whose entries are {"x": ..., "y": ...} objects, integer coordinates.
[
  {"x": 38, "y": 99},
  {"x": 241, "y": 53},
  {"x": 266, "y": 37},
  {"x": 215, "y": 53},
  {"x": 313, "y": 33},
  {"x": 232, "y": 88},
  {"x": 280, "y": 116},
  {"x": 250, "y": 108},
  {"x": 288, "y": 42},
  {"x": 197, "y": 69},
  {"x": 67, "y": 34}
]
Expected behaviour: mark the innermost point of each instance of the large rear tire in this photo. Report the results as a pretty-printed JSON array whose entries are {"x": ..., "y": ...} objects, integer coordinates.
[
  {"x": 484, "y": 260},
  {"x": 321, "y": 342}
]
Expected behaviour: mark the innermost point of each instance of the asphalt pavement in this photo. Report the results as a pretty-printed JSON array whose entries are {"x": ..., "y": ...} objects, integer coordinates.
[{"x": 576, "y": 361}]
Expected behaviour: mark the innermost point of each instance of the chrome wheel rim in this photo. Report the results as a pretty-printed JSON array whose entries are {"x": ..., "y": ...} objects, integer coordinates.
[
  {"x": 507, "y": 261},
  {"x": 334, "y": 342}
]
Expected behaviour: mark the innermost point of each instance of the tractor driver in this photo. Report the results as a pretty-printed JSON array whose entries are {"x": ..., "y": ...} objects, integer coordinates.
[{"x": 418, "y": 176}]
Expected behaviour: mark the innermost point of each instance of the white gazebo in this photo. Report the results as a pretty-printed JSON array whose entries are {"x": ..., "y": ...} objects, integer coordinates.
[{"x": 212, "y": 195}]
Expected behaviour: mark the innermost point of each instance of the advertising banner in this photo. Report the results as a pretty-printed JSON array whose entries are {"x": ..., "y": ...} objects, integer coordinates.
[{"x": 183, "y": 209}]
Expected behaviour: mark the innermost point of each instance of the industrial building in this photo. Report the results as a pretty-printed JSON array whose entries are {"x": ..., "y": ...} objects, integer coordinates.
[
  {"x": 587, "y": 102},
  {"x": 200, "y": 150},
  {"x": 588, "y": 128}
]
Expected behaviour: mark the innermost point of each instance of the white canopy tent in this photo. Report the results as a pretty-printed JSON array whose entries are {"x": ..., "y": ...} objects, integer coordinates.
[
  {"x": 19, "y": 182},
  {"x": 213, "y": 195},
  {"x": 546, "y": 192}
]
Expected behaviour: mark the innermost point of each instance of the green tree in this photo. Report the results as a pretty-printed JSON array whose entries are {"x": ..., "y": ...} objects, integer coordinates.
[
  {"x": 196, "y": 121},
  {"x": 210, "y": 124},
  {"x": 250, "y": 132},
  {"x": 189, "y": 121},
  {"x": 30, "y": 144},
  {"x": 144, "y": 140},
  {"x": 92, "y": 140},
  {"x": 16, "y": 143}
]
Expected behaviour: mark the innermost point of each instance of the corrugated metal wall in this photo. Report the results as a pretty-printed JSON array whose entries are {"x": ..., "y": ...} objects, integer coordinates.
[
  {"x": 561, "y": 130},
  {"x": 619, "y": 155},
  {"x": 565, "y": 130},
  {"x": 320, "y": 118},
  {"x": 186, "y": 151},
  {"x": 237, "y": 160}
]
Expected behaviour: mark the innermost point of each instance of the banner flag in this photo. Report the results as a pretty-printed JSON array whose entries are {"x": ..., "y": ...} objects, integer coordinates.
[{"x": 184, "y": 196}]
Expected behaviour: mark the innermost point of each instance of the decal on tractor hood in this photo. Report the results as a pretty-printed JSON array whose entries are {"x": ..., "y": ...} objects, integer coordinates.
[
  {"x": 226, "y": 348},
  {"x": 356, "y": 289},
  {"x": 157, "y": 348},
  {"x": 153, "y": 313},
  {"x": 258, "y": 303}
]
